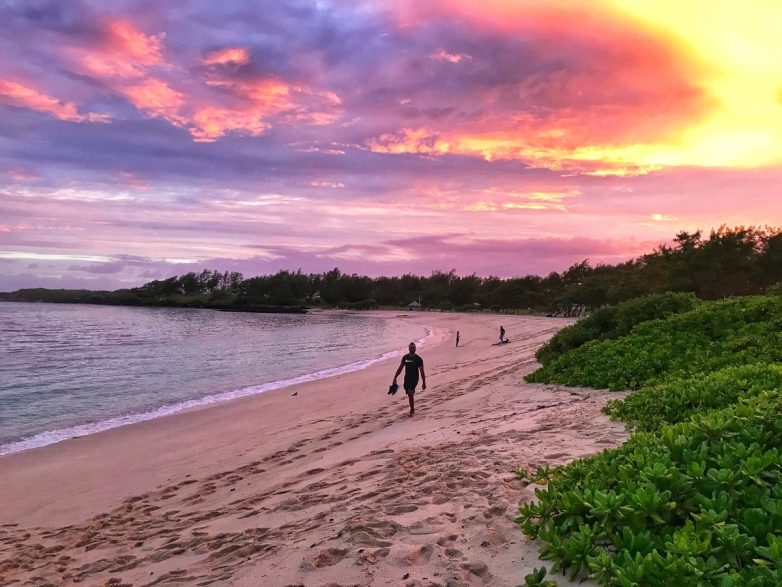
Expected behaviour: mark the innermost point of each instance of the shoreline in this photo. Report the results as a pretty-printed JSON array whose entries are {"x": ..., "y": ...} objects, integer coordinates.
[
  {"x": 49, "y": 437},
  {"x": 332, "y": 485}
]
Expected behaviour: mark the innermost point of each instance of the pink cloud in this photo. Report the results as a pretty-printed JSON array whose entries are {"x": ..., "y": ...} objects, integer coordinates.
[
  {"x": 131, "y": 63},
  {"x": 255, "y": 102},
  {"x": 122, "y": 52},
  {"x": 228, "y": 56},
  {"x": 17, "y": 94},
  {"x": 209, "y": 123},
  {"x": 127, "y": 40},
  {"x": 443, "y": 55},
  {"x": 604, "y": 97},
  {"x": 156, "y": 98}
]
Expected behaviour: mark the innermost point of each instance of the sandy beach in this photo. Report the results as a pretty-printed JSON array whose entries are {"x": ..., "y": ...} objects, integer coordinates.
[{"x": 324, "y": 483}]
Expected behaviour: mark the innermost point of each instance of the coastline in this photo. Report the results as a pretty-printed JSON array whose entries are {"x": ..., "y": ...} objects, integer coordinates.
[
  {"x": 334, "y": 483},
  {"x": 49, "y": 437}
]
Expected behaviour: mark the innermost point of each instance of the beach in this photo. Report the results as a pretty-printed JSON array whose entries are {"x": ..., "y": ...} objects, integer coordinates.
[{"x": 327, "y": 482}]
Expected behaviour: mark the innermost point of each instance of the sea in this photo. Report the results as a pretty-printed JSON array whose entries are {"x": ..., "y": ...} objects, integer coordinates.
[{"x": 68, "y": 370}]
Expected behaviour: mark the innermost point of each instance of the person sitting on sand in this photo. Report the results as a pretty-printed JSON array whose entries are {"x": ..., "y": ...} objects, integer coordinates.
[{"x": 412, "y": 364}]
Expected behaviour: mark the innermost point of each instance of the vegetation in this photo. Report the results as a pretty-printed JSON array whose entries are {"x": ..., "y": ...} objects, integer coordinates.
[
  {"x": 678, "y": 399},
  {"x": 615, "y": 321},
  {"x": 737, "y": 331},
  {"x": 699, "y": 503},
  {"x": 694, "y": 497},
  {"x": 730, "y": 261}
]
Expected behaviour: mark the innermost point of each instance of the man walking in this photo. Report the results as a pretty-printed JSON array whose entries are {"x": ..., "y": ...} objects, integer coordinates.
[
  {"x": 412, "y": 364},
  {"x": 457, "y": 338}
]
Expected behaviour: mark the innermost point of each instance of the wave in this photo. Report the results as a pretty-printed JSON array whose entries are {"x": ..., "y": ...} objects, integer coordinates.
[{"x": 55, "y": 436}]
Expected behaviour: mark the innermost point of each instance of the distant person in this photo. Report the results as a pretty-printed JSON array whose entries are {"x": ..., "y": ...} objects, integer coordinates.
[
  {"x": 502, "y": 334},
  {"x": 457, "y": 338},
  {"x": 412, "y": 364}
]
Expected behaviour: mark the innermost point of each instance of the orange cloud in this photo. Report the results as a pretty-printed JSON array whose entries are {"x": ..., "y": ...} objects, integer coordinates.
[
  {"x": 536, "y": 150},
  {"x": 228, "y": 56},
  {"x": 129, "y": 61},
  {"x": 609, "y": 94},
  {"x": 17, "y": 94},
  {"x": 155, "y": 97},
  {"x": 273, "y": 94},
  {"x": 258, "y": 100},
  {"x": 125, "y": 52},
  {"x": 700, "y": 80},
  {"x": 127, "y": 40},
  {"x": 212, "y": 122}
]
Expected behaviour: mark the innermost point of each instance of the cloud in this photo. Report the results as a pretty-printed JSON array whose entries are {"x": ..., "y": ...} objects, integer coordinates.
[
  {"x": 222, "y": 93},
  {"x": 228, "y": 56},
  {"x": 326, "y": 183},
  {"x": 443, "y": 55},
  {"x": 156, "y": 98},
  {"x": 17, "y": 94},
  {"x": 377, "y": 122},
  {"x": 258, "y": 100}
]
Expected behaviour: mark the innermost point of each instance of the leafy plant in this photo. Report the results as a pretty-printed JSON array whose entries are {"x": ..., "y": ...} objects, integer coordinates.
[
  {"x": 694, "y": 496},
  {"x": 537, "y": 578},
  {"x": 615, "y": 321}
]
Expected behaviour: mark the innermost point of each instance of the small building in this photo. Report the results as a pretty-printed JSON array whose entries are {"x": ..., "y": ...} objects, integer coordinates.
[{"x": 414, "y": 305}]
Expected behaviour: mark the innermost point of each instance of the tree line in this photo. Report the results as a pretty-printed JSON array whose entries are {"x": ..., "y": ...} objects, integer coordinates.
[{"x": 726, "y": 262}]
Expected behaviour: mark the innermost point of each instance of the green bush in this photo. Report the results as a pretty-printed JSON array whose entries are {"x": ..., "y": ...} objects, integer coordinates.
[
  {"x": 695, "y": 496},
  {"x": 678, "y": 399},
  {"x": 737, "y": 331},
  {"x": 615, "y": 321},
  {"x": 698, "y": 503}
]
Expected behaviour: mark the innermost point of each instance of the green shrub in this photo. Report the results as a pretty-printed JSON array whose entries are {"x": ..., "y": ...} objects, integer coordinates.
[
  {"x": 695, "y": 496},
  {"x": 737, "y": 331},
  {"x": 698, "y": 503},
  {"x": 615, "y": 321},
  {"x": 678, "y": 399}
]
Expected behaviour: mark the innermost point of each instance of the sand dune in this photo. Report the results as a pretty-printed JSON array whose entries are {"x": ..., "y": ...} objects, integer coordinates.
[{"x": 332, "y": 486}]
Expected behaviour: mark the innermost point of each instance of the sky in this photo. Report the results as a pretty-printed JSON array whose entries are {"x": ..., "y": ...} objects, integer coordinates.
[{"x": 144, "y": 139}]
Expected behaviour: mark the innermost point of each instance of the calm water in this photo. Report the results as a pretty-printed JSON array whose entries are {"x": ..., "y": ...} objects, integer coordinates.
[{"x": 68, "y": 370}]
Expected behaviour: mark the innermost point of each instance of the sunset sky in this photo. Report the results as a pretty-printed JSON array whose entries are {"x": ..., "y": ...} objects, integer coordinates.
[{"x": 145, "y": 139}]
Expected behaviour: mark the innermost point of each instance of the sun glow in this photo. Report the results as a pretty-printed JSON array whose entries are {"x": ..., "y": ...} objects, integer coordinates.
[{"x": 742, "y": 50}]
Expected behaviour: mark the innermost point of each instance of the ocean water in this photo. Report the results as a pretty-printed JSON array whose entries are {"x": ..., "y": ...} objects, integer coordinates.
[{"x": 68, "y": 370}]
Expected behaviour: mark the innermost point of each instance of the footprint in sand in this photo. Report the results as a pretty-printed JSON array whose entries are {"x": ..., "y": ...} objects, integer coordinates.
[
  {"x": 325, "y": 558},
  {"x": 419, "y": 556},
  {"x": 478, "y": 569},
  {"x": 400, "y": 509},
  {"x": 374, "y": 556}
]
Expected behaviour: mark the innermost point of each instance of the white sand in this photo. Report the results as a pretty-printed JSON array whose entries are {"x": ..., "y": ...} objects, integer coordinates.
[{"x": 335, "y": 485}]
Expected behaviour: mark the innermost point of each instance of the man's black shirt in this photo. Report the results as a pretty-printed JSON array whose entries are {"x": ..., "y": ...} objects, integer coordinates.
[{"x": 412, "y": 363}]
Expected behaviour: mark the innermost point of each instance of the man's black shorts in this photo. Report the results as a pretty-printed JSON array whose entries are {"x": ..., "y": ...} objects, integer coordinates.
[{"x": 410, "y": 386}]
